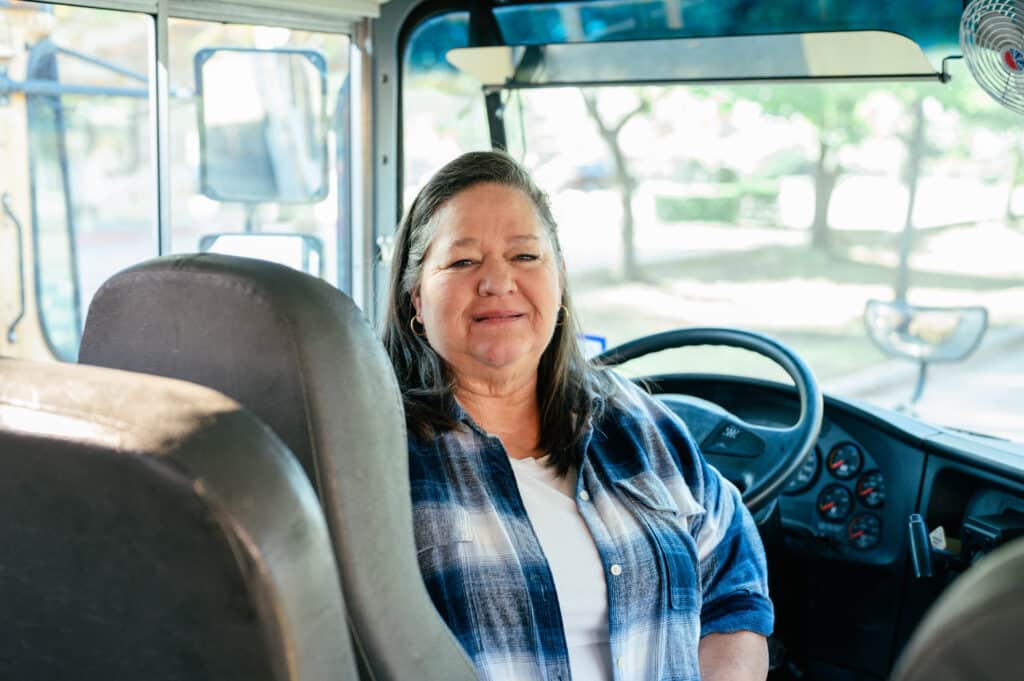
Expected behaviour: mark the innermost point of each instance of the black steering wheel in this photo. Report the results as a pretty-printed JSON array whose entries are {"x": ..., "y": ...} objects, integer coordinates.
[{"x": 758, "y": 459}]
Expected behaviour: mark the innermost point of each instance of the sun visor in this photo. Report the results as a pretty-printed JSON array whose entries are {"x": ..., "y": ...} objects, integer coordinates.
[{"x": 848, "y": 55}]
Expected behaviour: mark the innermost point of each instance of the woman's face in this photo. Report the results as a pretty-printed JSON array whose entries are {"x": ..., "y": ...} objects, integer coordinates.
[{"x": 490, "y": 290}]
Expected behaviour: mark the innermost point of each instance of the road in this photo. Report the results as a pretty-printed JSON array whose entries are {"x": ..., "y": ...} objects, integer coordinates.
[{"x": 985, "y": 393}]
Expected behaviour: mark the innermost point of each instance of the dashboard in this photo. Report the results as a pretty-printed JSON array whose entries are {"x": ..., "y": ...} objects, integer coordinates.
[
  {"x": 839, "y": 497},
  {"x": 848, "y": 584}
]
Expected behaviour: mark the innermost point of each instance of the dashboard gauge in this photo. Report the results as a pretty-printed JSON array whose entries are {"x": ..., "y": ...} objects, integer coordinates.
[
  {"x": 865, "y": 531},
  {"x": 871, "y": 489},
  {"x": 845, "y": 460},
  {"x": 805, "y": 476},
  {"x": 834, "y": 503}
]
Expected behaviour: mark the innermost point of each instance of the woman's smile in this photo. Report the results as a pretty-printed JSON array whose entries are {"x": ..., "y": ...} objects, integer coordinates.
[{"x": 497, "y": 317}]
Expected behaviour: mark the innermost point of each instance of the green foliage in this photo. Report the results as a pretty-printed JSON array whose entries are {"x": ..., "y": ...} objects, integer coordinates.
[
  {"x": 697, "y": 208},
  {"x": 727, "y": 203},
  {"x": 831, "y": 108}
]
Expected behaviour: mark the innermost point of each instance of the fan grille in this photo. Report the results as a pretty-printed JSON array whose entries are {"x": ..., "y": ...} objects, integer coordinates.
[{"x": 992, "y": 42}]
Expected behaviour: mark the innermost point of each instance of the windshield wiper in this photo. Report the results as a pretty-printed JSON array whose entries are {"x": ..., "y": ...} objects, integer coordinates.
[{"x": 976, "y": 433}]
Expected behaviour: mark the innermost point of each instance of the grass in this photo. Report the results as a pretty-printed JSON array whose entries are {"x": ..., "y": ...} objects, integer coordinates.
[{"x": 693, "y": 290}]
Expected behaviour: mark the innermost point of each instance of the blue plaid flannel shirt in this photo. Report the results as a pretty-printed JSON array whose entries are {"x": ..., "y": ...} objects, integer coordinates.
[{"x": 681, "y": 554}]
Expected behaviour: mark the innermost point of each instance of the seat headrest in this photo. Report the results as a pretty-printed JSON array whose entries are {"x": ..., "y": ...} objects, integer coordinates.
[
  {"x": 154, "y": 529},
  {"x": 216, "y": 320},
  {"x": 299, "y": 354}
]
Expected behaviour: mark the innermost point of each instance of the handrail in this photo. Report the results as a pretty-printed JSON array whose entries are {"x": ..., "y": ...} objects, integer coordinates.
[{"x": 11, "y": 329}]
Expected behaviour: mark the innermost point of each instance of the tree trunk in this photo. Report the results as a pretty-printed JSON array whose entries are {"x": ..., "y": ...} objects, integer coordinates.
[
  {"x": 1014, "y": 174},
  {"x": 824, "y": 182},
  {"x": 628, "y": 268},
  {"x": 915, "y": 155}
]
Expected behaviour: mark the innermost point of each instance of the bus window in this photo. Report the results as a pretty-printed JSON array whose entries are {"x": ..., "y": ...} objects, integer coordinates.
[
  {"x": 80, "y": 184},
  {"x": 80, "y": 110},
  {"x": 431, "y": 86}
]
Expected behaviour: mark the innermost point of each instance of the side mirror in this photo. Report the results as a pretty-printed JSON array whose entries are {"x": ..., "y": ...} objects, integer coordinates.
[
  {"x": 298, "y": 251},
  {"x": 262, "y": 125},
  {"x": 925, "y": 334}
]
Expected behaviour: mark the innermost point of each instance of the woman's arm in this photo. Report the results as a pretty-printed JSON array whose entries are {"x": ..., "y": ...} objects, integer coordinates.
[{"x": 740, "y": 656}]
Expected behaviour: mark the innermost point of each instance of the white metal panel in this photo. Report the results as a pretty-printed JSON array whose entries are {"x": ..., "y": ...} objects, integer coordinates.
[
  {"x": 310, "y": 15},
  {"x": 145, "y": 6},
  {"x": 334, "y": 16}
]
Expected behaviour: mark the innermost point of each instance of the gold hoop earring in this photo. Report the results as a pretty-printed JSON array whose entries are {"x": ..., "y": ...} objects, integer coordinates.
[
  {"x": 563, "y": 315},
  {"x": 412, "y": 327}
]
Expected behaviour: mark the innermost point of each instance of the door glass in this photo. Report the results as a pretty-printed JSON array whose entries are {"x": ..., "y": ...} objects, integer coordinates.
[
  {"x": 247, "y": 153},
  {"x": 82, "y": 85}
]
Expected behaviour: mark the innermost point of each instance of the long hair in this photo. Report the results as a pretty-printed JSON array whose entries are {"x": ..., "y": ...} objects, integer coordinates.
[{"x": 570, "y": 391}]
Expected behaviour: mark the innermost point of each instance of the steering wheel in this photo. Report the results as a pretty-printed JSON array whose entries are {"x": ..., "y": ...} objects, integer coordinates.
[{"x": 758, "y": 459}]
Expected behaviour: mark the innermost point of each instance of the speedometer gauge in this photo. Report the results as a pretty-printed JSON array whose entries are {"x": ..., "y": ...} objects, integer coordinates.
[
  {"x": 806, "y": 474},
  {"x": 871, "y": 489},
  {"x": 834, "y": 503},
  {"x": 845, "y": 460},
  {"x": 865, "y": 531}
]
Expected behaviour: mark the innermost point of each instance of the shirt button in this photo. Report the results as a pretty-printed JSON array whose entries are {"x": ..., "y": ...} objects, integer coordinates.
[
  {"x": 616, "y": 570},
  {"x": 620, "y": 663},
  {"x": 584, "y": 496}
]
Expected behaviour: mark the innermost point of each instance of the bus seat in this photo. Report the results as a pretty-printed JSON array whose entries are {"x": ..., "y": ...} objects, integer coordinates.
[
  {"x": 299, "y": 354},
  {"x": 972, "y": 632},
  {"x": 134, "y": 547}
]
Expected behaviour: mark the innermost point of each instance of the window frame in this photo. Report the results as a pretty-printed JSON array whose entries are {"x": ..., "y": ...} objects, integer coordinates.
[{"x": 349, "y": 18}]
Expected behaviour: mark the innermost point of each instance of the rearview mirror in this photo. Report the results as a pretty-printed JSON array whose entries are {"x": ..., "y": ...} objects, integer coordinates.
[
  {"x": 924, "y": 334},
  {"x": 262, "y": 125},
  {"x": 928, "y": 334}
]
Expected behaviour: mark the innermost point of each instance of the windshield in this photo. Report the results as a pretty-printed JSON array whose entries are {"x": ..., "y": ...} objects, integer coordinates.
[{"x": 781, "y": 208}]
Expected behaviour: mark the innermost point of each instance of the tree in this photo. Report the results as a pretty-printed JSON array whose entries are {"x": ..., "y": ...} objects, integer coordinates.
[
  {"x": 917, "y": 149},
  {"x": 832, "y": 109},
  {"x": 628, "y": 268},
  {"x": 977, "y": 109}
]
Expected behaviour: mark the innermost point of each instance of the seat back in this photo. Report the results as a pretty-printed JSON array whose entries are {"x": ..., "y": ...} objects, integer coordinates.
[
  {"x": 300, "y": 355},
  {"x": 155, "y": 530},
  {"x": 972, "y": 633}
]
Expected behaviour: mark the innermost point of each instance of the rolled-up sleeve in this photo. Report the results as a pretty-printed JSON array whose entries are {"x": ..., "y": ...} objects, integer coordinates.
[
  {"x": 733, "y": 569},
  {"x": 731, "y": 563}
]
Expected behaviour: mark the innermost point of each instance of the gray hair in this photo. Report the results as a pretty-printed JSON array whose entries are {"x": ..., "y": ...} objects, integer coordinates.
[{"x": 566, "y": 383}]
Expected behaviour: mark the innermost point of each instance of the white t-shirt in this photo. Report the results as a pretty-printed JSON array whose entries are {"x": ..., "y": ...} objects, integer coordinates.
[{"x": 575, "y": 565}]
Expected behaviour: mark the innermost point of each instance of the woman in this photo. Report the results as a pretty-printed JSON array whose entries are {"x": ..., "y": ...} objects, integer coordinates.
[{"x": 566, "y": 524}]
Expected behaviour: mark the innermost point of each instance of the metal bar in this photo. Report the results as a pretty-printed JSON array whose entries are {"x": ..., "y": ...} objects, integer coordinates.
[
  {"x": 367, "y": 164},
  {"x": 159, "y": 93},
  {"x": 11, "y": 329},
  {"x": 52, "y": 88},
  {"x": 901, "y": 77},
  {"x": 103, "y": 63},
  {"x": 496, "y": 120},
  {"x": 922, "y": 370}
]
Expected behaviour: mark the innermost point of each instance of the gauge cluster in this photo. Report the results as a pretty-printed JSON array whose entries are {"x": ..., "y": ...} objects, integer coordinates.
[{"x": 838, "y": 495}]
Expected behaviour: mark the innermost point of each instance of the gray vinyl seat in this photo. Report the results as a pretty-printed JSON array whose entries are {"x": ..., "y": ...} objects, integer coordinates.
[
  {"x": 134, "y": 547},
  {"x": 973, "y": 632},
  {"x": 299, "y": 354}
]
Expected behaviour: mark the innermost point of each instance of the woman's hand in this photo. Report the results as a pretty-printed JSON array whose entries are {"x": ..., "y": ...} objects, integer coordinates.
[{"x": 740, "y": 656}]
